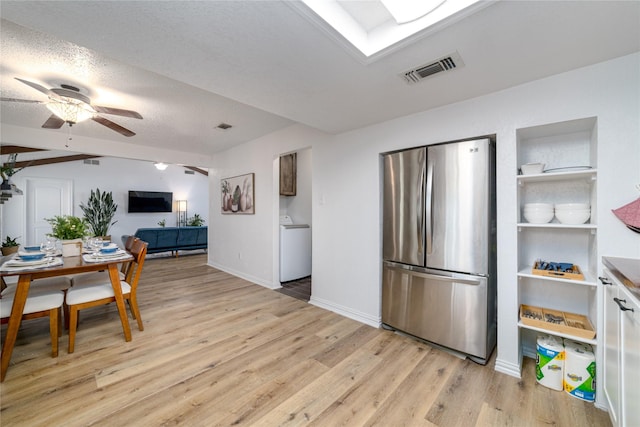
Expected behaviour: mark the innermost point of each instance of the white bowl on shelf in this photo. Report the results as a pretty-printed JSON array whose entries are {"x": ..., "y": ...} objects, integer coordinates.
[
  {"x": 572, "y": 206},
  {"x": 532, "y": 168},
  {"x": 538, "y": 207},
  {"x": 573, "y": 216},
  {"x": 538, "y": 217}
]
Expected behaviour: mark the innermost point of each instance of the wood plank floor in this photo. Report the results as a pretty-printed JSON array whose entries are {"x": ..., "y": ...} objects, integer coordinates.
[{"x": 220, "y": 351}]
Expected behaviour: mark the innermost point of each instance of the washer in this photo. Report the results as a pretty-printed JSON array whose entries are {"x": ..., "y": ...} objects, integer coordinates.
[{"x": 295, "y": 250}]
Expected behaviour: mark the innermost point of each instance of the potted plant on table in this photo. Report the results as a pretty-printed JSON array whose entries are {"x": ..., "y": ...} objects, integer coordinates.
[
  {"x": 10, "y": 246},
  {"x": 70, "y": 230},
  {"x": 99, "y": 212}
]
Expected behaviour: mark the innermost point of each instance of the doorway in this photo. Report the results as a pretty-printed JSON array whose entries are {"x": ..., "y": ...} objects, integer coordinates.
[
  {"x": 296, "y": 209},
  {"x": 45, "y": 198}
]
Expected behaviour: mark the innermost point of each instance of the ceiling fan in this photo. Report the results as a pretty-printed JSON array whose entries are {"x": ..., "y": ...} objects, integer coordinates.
[{"x": 68, "y": 105}]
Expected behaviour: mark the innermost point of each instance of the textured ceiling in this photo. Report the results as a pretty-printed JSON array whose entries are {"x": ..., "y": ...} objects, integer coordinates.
[{"x": 263, "y": 65}]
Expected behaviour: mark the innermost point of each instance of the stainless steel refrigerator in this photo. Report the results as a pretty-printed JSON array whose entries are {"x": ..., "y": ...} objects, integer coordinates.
[{"x": 439, "y": 245}]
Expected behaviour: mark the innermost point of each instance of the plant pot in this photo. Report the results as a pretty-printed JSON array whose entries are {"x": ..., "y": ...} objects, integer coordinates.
[
  {"x": 8, "y": 250},
  {"x": 71, "y": 247}
]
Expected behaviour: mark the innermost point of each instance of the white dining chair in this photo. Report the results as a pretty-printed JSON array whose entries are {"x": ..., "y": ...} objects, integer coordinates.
[
  {"x": 40, "y": 303},
  {"x": 93, "y": 294}
]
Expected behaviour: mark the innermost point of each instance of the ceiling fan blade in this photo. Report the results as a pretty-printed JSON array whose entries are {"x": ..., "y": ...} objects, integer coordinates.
[
  {"x": 113, "y": 126},
  {"x": 28, "y": 101},
  {"x": 36, "y": 86},
  {"x": 53, "y": 122},
  {"x": 117, "y": 111}
]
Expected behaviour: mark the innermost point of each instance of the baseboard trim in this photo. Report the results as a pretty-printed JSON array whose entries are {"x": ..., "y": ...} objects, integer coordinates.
[
  {"x": 346, "y": 312},
  {"x": 252, "y": 279},
  {"x": 512, "y": 369}
]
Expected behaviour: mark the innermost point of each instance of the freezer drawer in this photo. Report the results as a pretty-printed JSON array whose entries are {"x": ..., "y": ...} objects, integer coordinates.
[{"x": 449, "y": 311}]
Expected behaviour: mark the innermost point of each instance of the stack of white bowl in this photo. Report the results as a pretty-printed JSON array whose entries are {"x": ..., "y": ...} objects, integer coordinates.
[
  {"x": 573, "y": 213},
  {"x": 538, "y": 213}
]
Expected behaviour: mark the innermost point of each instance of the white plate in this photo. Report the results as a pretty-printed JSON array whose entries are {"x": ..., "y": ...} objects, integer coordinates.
[{"x": 21, "y": 263}]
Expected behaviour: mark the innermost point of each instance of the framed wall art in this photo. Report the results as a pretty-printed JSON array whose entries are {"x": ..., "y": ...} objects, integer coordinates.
[{"x": 237, "y": 195}]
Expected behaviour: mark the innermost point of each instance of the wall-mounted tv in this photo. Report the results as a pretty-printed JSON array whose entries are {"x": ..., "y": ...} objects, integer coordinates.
[{"x": 150, "y": 201}]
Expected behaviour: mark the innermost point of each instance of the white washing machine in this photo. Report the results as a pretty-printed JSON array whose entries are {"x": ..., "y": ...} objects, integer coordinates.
[{"x": 295, "y": 250}]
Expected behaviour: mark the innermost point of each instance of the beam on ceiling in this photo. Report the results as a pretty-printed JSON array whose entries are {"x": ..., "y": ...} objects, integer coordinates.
[
  {"x": 13, "y": 149},
  {"x": 195, "y": 169},
  {"x": 53, "y": 160}
]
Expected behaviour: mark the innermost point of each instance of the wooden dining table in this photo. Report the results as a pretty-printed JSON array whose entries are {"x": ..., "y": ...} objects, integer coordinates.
[{"x": 70, "y": 265}]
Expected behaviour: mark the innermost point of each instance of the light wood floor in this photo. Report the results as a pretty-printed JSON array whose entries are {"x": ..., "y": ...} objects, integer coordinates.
[{"x": 217, "y": 350}]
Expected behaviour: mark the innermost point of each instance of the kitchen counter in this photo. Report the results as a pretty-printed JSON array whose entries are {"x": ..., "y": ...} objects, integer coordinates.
[{"x": 626, "y": 270}]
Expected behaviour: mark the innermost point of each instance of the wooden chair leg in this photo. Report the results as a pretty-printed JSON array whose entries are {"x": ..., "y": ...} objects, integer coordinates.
[
  {"x": 54, "y": 320},
  {"x": 59, "y": 322},
  {"x": 65, "y": 309},
  {"x": 73, "y": 324},
  {"x": 135, "y": 311}
]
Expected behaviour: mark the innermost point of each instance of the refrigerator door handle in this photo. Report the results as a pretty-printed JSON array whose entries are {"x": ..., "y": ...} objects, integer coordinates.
[
  {"x": 429, "y": 207},
  {"x": 420, "y": 217},
  {"x": 437, "y": 276}
]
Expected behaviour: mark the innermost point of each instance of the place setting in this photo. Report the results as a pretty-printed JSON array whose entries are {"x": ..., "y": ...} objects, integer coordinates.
[
  {"x": 31, "y": 258},
  {"x": 97, "y": 250}
]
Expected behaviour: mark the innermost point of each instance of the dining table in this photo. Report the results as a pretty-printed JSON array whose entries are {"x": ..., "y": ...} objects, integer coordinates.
[{"x": 61, "y": 266}]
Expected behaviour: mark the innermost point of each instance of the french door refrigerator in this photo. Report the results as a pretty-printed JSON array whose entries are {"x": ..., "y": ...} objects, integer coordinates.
[{"x": 439, "y": 245}]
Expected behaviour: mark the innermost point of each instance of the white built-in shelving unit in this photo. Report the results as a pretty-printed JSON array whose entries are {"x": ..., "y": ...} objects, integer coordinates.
[{"x": 568, "y": 150}]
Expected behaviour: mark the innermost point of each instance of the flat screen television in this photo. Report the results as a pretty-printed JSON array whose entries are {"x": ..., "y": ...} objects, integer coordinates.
[{"x": 150, "y": 201}]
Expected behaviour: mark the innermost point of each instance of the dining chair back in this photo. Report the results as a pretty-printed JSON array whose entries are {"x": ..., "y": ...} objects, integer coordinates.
[
  {"x": 59, "y": 283},
  {"x": 95, "y": 294},
  {"x": 40, "y": 303}
]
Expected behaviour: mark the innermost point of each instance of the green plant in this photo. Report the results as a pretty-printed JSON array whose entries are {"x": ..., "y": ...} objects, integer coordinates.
[
  {"x": 195, "y": 221},
  {"x": 99, "y": 211},
  {"x": 7, "y": 170},
  {"x": 162, "y": 223},
  {"x": 9, "y": 242},
  {"x": 68, "y": 227}
]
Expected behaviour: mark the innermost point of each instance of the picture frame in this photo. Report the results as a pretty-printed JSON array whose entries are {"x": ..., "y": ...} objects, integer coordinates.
[{"x": 237, "y": 195}]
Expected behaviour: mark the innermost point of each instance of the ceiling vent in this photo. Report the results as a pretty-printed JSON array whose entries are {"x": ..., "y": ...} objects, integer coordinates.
[{"x": 447, "y": 63}]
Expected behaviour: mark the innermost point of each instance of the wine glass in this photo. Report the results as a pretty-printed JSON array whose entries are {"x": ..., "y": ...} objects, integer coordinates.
[
  {"x": 97, "y": 244},
  {"x": 48, "y": 246}
]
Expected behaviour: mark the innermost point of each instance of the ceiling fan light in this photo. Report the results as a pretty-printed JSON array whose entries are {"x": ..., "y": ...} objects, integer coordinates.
[
  {"x": 70, "y": 111},
  {"x": 160, "y": 166}
]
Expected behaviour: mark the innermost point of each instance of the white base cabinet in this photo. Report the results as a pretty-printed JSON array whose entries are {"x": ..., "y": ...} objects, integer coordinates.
[{"x": 621, "y": 352}]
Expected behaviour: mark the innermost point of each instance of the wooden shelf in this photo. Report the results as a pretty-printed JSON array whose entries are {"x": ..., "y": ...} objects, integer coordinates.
[
  {"x": 589, "y": 279},
  {"x": 593, "y": 341}
]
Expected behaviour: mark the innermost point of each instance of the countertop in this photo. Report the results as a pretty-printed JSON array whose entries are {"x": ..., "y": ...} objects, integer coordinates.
[{"x": 626, "y": 270}]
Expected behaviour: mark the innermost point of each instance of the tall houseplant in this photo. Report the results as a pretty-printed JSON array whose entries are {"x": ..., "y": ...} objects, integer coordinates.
[{"x": 99, "y": 212}]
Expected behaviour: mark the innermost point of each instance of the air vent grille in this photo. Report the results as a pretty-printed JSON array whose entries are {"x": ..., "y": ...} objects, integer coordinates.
[
  {"x": 189, "y": 172},
  {"x": 449, "y": 62},
  {"x": 91, "y": 162}
]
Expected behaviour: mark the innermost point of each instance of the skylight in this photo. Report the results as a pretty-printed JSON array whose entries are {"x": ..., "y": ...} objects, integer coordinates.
[
  {"x": 404, "y": 11},
  {"x": 375, "y": 27}
]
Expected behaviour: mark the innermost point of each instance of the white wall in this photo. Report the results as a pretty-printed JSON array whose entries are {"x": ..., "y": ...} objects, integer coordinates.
[
  {"x": 346, "y": 186},
  {"x": 118, "y": 176}
]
